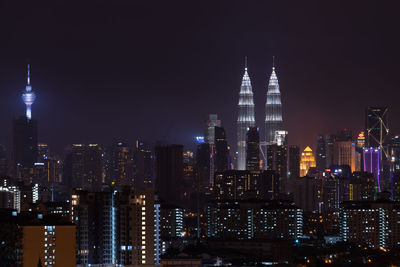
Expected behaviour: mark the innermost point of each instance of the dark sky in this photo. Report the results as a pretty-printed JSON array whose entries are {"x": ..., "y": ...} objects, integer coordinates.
[{"x": 156, "y": 69}]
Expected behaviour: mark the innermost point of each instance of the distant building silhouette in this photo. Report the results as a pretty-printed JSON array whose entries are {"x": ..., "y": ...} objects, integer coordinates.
[
  {"x": 25, "y": 138},
  {"x": 221, "y": 157},
  {"x": 169, "y": 173},
  {"x": 253, "y": 149}
]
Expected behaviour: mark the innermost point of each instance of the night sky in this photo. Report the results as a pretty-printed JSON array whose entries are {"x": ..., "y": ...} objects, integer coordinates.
[{"x": 156, "y": 69}]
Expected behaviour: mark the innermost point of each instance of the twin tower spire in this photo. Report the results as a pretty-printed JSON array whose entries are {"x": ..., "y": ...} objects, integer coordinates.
[{"x": 246, "y": 118}]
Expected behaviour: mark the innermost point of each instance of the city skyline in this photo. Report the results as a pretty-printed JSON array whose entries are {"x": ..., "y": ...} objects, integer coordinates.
[
  {"x": 125, "y": 94},
  {"x": 180, "y": 133}
]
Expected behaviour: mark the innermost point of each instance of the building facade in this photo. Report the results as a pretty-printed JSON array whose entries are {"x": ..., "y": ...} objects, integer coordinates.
[
  {"x": 254, "y": 219},
  {"x": 237, "y": 185},
  {"x": 373, "y": 224}
]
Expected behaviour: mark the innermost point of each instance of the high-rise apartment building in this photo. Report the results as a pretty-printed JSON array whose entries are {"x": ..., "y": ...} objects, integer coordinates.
[
  {"x": 34, "y": 237},
  {"x": 254, "y": 219},
  {"x": 373, "y": 224},
  {"x": 93, "y": 215},
  {"x": 335, "y": 189},
  {"x": 171, "y": 221},
  {"x": 245, "y": 119},
  {"x": 137, "y": 228},
  {"x": 236, "y": 184},
  {"x": 115, "y": 227}
]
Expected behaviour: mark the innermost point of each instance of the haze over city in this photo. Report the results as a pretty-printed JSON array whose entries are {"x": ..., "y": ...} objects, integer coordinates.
[{"x": 132, "y": 70}]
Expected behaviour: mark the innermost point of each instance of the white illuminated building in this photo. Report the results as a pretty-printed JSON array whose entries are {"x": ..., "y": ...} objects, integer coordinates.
[
  {"x": 273, "y": 108},
  {"x": 246, "y": 118},
  {"x": 28, "y": 96}
]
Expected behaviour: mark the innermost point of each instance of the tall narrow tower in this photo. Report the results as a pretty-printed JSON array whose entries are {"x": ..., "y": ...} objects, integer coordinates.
[
  {"x": 245, "y": 118},
  {"x": 28, "y": 96},
  {"x": 273, "y": 108}
]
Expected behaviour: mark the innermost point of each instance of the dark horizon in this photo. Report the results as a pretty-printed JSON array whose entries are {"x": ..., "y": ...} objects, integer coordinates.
[{"x": 155, "y": 71}]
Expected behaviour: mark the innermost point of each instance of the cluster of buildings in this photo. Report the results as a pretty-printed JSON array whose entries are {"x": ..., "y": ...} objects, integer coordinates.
[{"x": 123, "y": 205}]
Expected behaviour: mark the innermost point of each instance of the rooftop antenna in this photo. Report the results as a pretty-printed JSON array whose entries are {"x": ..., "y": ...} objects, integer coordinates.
[{"x": 273, "y": 62}]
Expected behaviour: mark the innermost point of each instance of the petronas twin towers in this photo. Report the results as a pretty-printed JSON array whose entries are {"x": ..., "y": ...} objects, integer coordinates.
[{"x": 246, "y": 118}]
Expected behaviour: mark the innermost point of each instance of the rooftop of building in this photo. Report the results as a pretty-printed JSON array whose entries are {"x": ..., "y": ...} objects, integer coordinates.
[
  {"x": 31, "y": 218},
  {"x": 265, "y": 204}
]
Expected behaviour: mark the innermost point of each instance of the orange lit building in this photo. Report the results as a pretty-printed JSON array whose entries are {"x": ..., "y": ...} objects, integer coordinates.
[
  {"x": 49, "y": 239},
  {"x": 54, "y": 244},
  {"x": 307, "y": 160},
  {"x": 344, "y": 153}
]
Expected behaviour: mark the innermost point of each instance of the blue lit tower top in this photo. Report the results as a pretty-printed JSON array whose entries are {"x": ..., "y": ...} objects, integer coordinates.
[
  {"x": 245, "y": 118},
  {"x": 273, "y": 108},
  {"x": 28, "y": 96}
]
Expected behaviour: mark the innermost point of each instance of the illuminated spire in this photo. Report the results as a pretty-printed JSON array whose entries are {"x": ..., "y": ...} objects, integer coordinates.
[
  {"x": 245, "y": 117},
  {"x": 28, "y": 80},
  {"x": 273, "y": 62},
  {"x": 273, "y": 107},
  {"x": 28, "y": 96}
]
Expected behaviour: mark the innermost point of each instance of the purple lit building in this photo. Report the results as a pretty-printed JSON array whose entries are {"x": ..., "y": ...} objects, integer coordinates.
[{"x": 372, "y": 163}]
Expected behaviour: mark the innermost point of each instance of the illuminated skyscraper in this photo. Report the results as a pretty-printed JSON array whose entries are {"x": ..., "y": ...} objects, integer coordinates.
[
  {"x": 245, "y": 118},
  {"x": 377, "y": 131},
  {"x": 307, "y": 160},
  {"x": 273, "y": 108},
  {"x": 211, "y": 123},
  {"x": 376, "y": 123},
  {"x": 372, "y": 162},
  {"x": 28, "y": 96}
]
